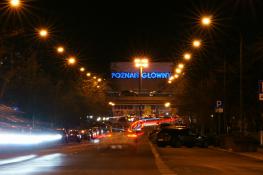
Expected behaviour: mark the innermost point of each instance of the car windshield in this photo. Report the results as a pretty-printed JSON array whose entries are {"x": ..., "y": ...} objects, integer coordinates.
[{"x": 131, "y": 88}]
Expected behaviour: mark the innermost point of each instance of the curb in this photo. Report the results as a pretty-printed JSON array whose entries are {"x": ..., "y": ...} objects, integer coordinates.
[{"x": 254, "y": 155}]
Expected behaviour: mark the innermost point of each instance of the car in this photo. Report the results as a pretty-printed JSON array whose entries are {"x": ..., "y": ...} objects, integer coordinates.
[
  {"x": 177, "y": 136},
  {"x": 74, "y": 135},
  {"x": 119, "y": 139}
]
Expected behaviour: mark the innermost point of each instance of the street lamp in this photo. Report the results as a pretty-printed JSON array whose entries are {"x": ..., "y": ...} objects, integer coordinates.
[
  {"x": 187, "y": 56},
  {"x": 60, "y": 49},
  {"x": 176, "y": 76},
  {"x": 196, "y": 43},
  {"x": 82, "y": 69},
  {"x": 141, "y": 63},
  {"x": 99, "y": 80},
  {"x": 181, "y": 66},
  {"x": 178, "y": 70},
  {"x": 15, "y": 3},
  {"x": 206, "y": 21},
  {"x": 43, "y": 33},
  {"x": 71, "y": 60},
  {"x": 88, "y": 74}
]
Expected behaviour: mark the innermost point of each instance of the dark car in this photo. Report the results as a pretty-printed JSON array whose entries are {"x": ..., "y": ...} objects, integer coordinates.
[
  {"x": 177, "y": 136},
  {"x": 74, "y": 136}
]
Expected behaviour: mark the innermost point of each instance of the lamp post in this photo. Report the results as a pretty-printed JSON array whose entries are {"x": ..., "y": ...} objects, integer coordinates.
[{"x": 141, "y": 63}]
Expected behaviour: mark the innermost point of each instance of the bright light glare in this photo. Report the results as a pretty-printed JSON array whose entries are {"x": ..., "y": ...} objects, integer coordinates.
[
  {"x": 206, "y": 20},
  {"x": 196, "y": 43},
  {"x": 111, "y": 103},
  {"x": 180, "y": 66},
  {"x": 176, "y": 76},
  {"x": 43, "y": 33},
  {"x": 178, "y": 71},
  {"x": 167, "y": 105},
  {"x": 16, "y": 160},
  {"x": 60, "y": 49},
  {"x": 187, "y": 56},
  {"x": 88, "y": 74},
  {"x": 82, "y": 69},
  {"x": 27, "y": 139},
  {"x": 171, "y": 78},
  {"x": 15, "y": 3},
  {"x": 71, "y": 60},
  {"x": 141, "y": 62}
]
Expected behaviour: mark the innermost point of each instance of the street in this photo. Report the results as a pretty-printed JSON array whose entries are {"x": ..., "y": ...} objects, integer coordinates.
[{"x": 87, "y": 159}]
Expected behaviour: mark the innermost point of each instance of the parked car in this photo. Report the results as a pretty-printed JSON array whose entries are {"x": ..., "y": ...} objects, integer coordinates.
[{"x": 177, "y": 136}]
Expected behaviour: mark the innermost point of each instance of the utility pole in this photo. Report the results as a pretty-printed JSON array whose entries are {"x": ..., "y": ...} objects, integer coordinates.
[
  {"x": 225, "y": 101},
  {"x": 241, "y": 110}
]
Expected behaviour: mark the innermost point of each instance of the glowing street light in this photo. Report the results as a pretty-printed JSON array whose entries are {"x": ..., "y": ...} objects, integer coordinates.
[
  {"x": 43, "y": 33},
  {"x": 171, "y": 78},
  {"x": 178, "y": 71},
  {"x": 181, "y": 66},
  {"x": 176, "y": 76},
  {"x": 60, "y": 49},
  {"x": 170, "y": 81},
  {"x": 98, "y": 86},
  {"x": 206, "y": 20},
  {"x": 94, "y": 78},
  {"x": 167, "y": 104},
  {"x": 88, "y": 74},
  {"x": 144, "y": 62},
  {"x": 99, "y": 80},
  {"x": 71, "y": 60},
  {"x": 196, "y": 43},
  {"x": 15, "y": 3},
  {"x": 111, "y": 103},
  {"x": 187, "y": 56},
  {"x": 82, "y": 69}
]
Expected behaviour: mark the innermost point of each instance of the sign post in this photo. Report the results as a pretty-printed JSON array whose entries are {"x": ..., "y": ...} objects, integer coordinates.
[
  {"x": 219, "y": 106},
  {"x": 219, "y": 109}
]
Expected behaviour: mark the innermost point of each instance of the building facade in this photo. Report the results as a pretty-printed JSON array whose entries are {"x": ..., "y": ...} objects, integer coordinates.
[{"x": 130, "y": 98}]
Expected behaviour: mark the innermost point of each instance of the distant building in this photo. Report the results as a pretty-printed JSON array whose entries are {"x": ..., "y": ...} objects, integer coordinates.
[{"x": 127, "y": 99}]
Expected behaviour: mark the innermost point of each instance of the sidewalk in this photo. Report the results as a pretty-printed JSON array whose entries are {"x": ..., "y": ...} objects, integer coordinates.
[{"x": 255, "y": 155}]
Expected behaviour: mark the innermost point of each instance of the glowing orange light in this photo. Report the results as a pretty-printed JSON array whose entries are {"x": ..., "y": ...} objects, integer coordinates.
[
  {"x": 43, "y": 33},
  {"x": 60, "y": 49}
]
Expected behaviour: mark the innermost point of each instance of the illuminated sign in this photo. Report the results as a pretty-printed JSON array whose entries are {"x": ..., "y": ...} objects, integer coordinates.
[{"x": 145, "y": 75}]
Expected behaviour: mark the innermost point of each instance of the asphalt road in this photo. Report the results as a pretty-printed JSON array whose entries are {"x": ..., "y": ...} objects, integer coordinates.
[{"x": 148, "y": 160}]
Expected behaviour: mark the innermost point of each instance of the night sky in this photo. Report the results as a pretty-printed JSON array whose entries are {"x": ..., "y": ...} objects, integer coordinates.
[{"x": 100, "y": 32}]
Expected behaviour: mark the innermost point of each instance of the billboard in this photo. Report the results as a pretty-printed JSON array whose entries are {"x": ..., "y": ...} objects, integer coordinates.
[{"x": 125, "y": 76}]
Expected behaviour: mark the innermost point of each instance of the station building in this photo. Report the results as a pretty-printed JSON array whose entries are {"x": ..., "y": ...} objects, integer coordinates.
[{"x": 151, "y": 99}]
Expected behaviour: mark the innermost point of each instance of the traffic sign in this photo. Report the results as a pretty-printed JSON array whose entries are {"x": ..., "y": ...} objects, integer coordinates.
[{"x": 219, "y": 106}]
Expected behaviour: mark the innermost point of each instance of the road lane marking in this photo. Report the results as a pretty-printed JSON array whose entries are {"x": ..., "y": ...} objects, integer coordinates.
[{"x": 162, "y": 167}]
